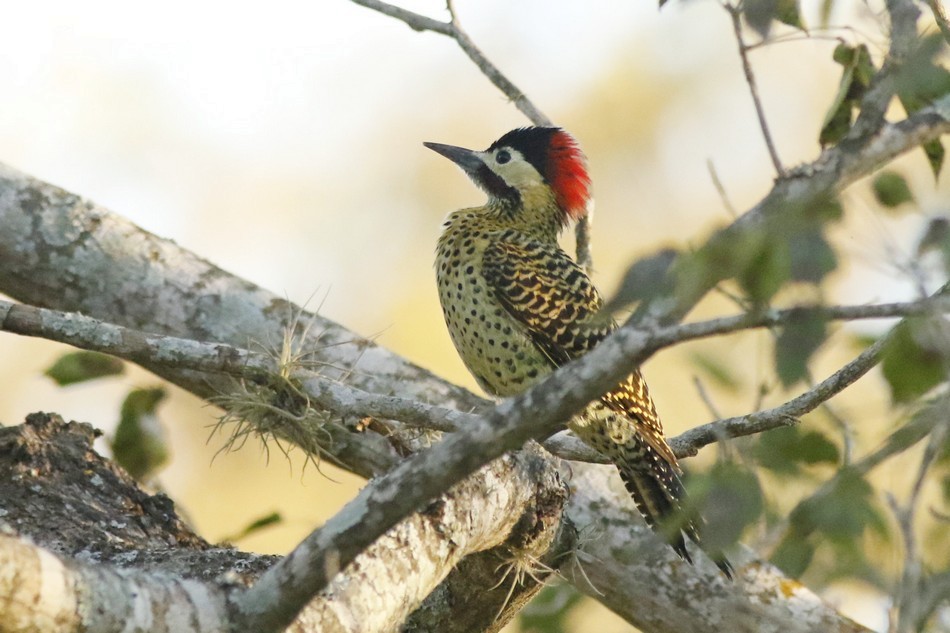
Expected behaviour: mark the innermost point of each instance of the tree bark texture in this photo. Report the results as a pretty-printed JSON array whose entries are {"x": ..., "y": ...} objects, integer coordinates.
[{"x": 60, "y": 251}]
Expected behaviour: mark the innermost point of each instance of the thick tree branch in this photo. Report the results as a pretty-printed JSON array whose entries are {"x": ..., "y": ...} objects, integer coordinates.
[
  {"x": 61, "y": 251},
  {"x": 348, "y": 402},
  {"x": 59, "y": 494},
  {"x": 763, "y": 600}
]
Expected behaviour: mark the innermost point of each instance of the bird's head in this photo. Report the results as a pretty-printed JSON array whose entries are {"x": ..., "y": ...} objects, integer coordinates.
[{"x": 528, "y": 163}]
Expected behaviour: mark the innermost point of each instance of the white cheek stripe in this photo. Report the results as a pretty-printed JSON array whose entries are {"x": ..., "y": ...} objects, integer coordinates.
[{"x": 517, "y": 172}]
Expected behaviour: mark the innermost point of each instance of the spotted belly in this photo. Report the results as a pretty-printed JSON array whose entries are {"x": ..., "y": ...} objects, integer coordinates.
[{"x": 494, "y": 347}]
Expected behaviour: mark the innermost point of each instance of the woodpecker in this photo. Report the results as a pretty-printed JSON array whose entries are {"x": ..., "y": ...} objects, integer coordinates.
[{"x": 517, "y": 307}]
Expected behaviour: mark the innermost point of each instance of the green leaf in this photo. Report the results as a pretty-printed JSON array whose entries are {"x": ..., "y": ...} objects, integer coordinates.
[
  {"x": 812, "y": 257},
  {"x": 548, "y": 612},
  {"x": 838, "y": 119},
  {"x": 861, "y": 342},
  {"x": 825, "y": 209},
  {"x": 81, "y": 366},
  {"x": 759, "y": 14},
  {"x": 768, "y": 267},
  {"x": 936, "y": 236},
  {"x": 863, "y": 72},
  {"x": 274, "y": 518},
  {"x": 841, "y": 511},
  {"x": 891, "y": 189},
  {"x": 935, "y": 153},
  {"x": 787, "y": 12},
  {"x": 921, "y": 81},
  {"x": 802, "y": 335},
  {"x": 785, "y": 450},
  {"x": 724, "y": 256},
  {"x": 915, "y": 357},
  {"x": 140, "y": 445},
  {"x": 729, "y": 498},
  {"x": 645, "y": 279},
  {"x": 793, "y": 554},
  {"x": 856, "y": 76},
  {"x": 762, "y": 258}
]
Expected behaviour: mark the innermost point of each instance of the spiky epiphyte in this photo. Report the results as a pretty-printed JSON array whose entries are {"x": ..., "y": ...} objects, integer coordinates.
[
  {"x": 517, "y": 307},
  {"x": 273, "y": 406}
]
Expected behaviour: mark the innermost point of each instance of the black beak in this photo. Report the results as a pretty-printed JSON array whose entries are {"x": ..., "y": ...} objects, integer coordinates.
[{"x": 464, "y": 158}]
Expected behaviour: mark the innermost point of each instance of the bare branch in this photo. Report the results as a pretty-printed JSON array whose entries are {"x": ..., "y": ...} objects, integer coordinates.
[
  {"x": 940, "y": 15},
  {"x": 347, "y": 401},
  {"x": 416, "y": 21},
  {"x": 910, "y": 601},
  {"x": 736, "y": 17},
  {"x": 582, "y": 244},
  {"x": 453, "y": 29},
  {"x": 787, "y": 414},
  {"x": 720, "y": 189}
]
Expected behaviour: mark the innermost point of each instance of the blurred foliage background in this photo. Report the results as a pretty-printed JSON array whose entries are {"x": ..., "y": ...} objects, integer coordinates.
[{"x": 283, "y": 143}]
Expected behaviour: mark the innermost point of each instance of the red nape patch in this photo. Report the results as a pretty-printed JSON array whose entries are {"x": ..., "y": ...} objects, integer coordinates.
[{"x": 567, "y": 175}]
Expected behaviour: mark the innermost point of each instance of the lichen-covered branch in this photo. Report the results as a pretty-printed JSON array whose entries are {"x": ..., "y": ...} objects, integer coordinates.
[
  {"x": 61, "y": 251},
  {"x": 671, "y": 597},
  {"x": 151, "y": 571},
  {"x": 346, "y": 401}
]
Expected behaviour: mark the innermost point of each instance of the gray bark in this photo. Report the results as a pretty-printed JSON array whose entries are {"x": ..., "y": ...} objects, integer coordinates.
[{"x": 62, "y": 252}]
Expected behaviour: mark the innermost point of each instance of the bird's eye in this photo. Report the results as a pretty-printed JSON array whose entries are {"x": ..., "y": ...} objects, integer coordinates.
[{"x": 502, "y": 157}]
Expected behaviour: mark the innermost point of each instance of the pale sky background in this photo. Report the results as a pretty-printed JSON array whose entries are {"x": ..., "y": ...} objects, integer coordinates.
[{"x": 283, "y": 143}]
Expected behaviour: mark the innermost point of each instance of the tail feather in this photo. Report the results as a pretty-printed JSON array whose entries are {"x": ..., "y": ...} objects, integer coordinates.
[
  {"x": 659, "y": 494},
  {"x": 655, "y": 506},
  {"x": 624, "y": 427}
]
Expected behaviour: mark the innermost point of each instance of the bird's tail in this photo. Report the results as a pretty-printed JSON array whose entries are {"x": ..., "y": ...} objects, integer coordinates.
[{"x": 659, "y": 495}]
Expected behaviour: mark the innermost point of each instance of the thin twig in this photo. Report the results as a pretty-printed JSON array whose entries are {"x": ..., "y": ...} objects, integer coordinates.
[
  {"x": 706, "y": 398},
  {"x": 494, "y": 75},
  {"x": 785, "y": 414},
  {"x": 735, "y": 14},
  {"x": 847, "y": 435},
  {"x": 720, "y": 189},
  {"x": 454, "y": 30},
  {"x": 907, "y": 604},
  {"x": 940, "y": 15},
  {"x": 582, "y": 244},
  {"x": 775, "y": 318}
]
